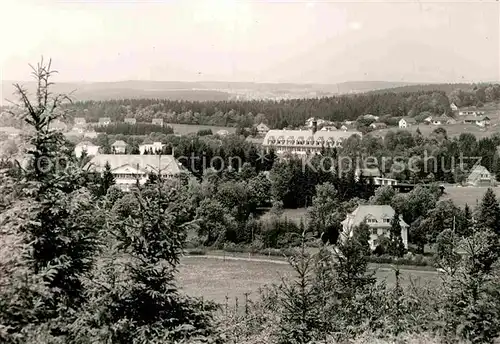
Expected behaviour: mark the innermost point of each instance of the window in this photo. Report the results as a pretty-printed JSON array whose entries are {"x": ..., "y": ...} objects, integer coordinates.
[
  {"x": 371, "y": 221},
  {"x": 373, "y": 231},
  {"x": 387, "y": 220}
]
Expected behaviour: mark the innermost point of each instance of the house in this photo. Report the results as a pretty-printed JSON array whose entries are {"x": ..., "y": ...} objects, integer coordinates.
[
  {"x": 471, "y": 111},
  {"x": 222, "y": 132},
  {"x": 262, "y": 128},
  {"x": 443, "y": 119},
  {"x": 348, "y": 127},
  {"x": 428, "y": 119},
  {"x": 58, "y": 125},
  {"x": 378, "y": 125},
  {"x": 480, "y": 176},
  {"x": 86, "y": 146},
  {"x": 304, "y": 141},
  {"x": 154, "y": 147},
  {"x": 481, "y": 121},
  {"x": 157, "y": 121},
  {"x": 78, "y": 129},
  {"x": 91, "y": 134},
  {"x": 131, "y": 121},
  {"x": 310, "y": 122},
  {"x": 367, "y": 173},
  {"x": 329, "y": 128},
  {"x": 378, "y": 218},
  {"x": 10, "y": 132},
  {"x": 103, "y": 121},
  {"x": 80, "y": 121},
  {"x": 406, "y": 122},
  {"x": 119, "y": 147},
  {"x": 453, "y": 107},
  {"x": 130, "y": 169}
]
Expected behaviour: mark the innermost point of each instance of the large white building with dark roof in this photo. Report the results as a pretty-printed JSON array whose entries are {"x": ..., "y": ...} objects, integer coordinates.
[
  {"x": 304, "y": 141},
  {"x": 128, "y": 169}
]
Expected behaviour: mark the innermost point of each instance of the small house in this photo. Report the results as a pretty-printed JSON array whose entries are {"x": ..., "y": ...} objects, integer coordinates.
[
  {"x": 481, "y": 121},
  {"x": 131, "y": 121},
  {"x": 378, "y": 218},
  {"x": 480, "y": 176},
  {"x": 407, "y": 122},
  {"x": 119, "y": 147},
  {"x": 86, "y": 146},
  {"x": 262, "y": 128},
  {"x": 157, "y": 121},
  {"x": 103, "y": 121}
]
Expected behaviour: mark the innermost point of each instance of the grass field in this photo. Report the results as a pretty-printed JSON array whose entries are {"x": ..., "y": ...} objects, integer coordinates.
[
  {"x": 214, "y": 279},
  {"x": 184, "y": 129},
  {"x": 466, "y": 195},
  {"x": 291, "y": 214},
  {"x": 451, "y": 129}
]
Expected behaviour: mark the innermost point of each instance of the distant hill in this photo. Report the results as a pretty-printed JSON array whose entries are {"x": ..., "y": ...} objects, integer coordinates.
[
  {"x": 447, "y": 88},
  {"x": 210, "y": 90}
]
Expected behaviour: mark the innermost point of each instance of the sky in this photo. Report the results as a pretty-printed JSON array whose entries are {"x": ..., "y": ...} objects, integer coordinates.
[{"x": 260, "y": 41}]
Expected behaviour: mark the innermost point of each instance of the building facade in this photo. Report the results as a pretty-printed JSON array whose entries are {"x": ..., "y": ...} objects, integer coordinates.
[
  {"x": 88, "y": 147},
  {"x": 154, "y": 147},
  {"x": 129, "y": 170},
  {"x": 304, "y": 141},
  {"x": 378, "y": 218}
]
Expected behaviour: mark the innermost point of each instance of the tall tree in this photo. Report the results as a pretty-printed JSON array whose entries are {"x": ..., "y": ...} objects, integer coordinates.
[
  {"x": 55, "y": 218},
  {"x": 396, "y": 246},
  {"x": 489, "y": 212},
  {"x": 107, "y": 179}
]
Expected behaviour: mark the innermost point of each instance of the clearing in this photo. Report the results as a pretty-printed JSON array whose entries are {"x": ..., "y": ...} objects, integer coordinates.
[
  {"x": 214, "y": 278},
  {"x": 184, "y": 129},
  {"x": 470, "y": 195}
]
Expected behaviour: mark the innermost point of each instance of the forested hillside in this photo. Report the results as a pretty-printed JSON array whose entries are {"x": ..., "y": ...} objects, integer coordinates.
[{"x": 277, "y": 114}]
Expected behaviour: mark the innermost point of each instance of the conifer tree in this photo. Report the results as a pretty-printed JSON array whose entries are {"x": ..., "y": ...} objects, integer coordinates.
[
  {"x": 396, "y": 246},
  {"x": 55, "y": 219},
  {"x": 489, "y": 212},
  {"x": 107, "y": 179}
]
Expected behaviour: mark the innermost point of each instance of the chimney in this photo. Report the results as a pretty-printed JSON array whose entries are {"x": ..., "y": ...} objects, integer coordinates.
[{"x": 315, "y": 126}]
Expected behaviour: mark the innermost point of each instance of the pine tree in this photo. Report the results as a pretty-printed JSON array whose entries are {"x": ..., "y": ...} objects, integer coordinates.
[
  {"x": 144, "y": 304},
  {"x": 107, "y": 179},
  {"x": 467, "y": 228},
  {"x": 54, "y": 217},
  {"x": 396, "y": 246},
  {"x": 362, "y": 236},
  {"x": 489, "y": 212}
]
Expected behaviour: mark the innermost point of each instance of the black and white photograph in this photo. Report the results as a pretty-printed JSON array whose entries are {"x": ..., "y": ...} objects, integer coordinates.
[{"x": 249, "y": 171}]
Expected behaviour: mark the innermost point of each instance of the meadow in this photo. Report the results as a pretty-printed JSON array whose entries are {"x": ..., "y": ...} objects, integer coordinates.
[
  {"x": 214, "y": 278},
  {"x": 184, "y": 129},
  {"x": 467, "y": 195}
]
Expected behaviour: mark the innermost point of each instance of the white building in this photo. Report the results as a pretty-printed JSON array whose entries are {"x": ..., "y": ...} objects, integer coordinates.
[
  {"x": 378, "y": 218},
  {"x": 154, "y": 147},
  {"x": 453, "y": 107},
  {"x": 86, "y": 146},
  {"x": 130, "y": 121},
  {"x": 103, "y": 121},
  {"x": 119, "y": 147},
  {"x": 407, "y": 122},
  {"x": 262, "y": 128},
  {"x": 481, "y": 121},
  {"x": 304, "y": 141},
  {"x": 128, "y": 169},
  {"x": 80, "y": 121},
  {"x": 157, "y": 121}
]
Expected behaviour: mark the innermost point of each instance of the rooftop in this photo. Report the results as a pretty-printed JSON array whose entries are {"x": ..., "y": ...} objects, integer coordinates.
[{"x": 167, "y": 164}]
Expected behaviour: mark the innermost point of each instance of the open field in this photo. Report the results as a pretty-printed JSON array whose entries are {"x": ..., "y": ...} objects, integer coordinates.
[
  {"x": 451, "y": 129},
  {"x": 466, "y": 195},
  {"x": 214, "y": 279},
  {"x": 291, "y": 214},
  {"x": 184, "y": 129}
]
